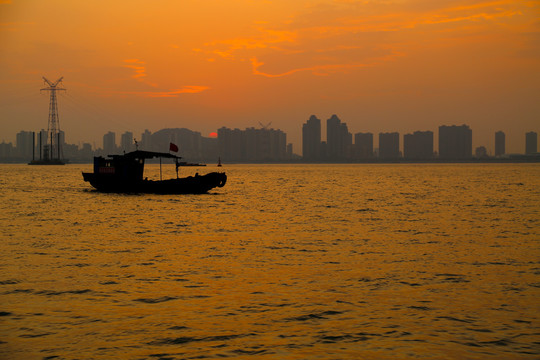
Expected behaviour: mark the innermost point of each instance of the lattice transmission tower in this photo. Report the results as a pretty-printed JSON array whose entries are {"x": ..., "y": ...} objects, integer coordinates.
[{"x": 53, "y": 127}]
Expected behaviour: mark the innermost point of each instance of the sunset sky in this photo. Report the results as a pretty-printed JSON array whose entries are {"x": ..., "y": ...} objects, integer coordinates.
[{"x": 380, "y": 65}]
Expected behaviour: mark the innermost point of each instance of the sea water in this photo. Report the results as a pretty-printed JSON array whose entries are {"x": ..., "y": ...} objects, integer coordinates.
[{"x": 436, "y": 261}]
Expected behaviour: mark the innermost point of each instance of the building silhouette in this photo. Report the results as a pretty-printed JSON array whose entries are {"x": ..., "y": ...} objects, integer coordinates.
[
  {"x": 126, "y": 142},
  {"x": 252, "y": 145},
  {"x": 333, "y": 137},
  {"x": 455, "y": 142},
  {"x": 480, "y": 152},
  {"x": 6, "y": 151},
  {"x": 146, "y": 140},
  {"x": 109, "y": 143},
  {"x": 24, "y": 140},
  {"x": 531, "y": 143},
  {"x": 389, "y": 145},
  {"x": 363, "y": 145},
  {"x": 311, "y": 139},
  {"x": 418, "y": 145},
  {"x": 500, "y": 143},
  {"x": 338, "y": 139}
]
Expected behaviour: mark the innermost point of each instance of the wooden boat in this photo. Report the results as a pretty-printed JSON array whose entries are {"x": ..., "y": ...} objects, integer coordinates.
[{"x": 124, "y": 174}]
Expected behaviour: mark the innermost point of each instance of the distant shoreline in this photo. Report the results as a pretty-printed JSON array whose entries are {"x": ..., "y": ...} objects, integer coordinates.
[{"x": 520, "y": 159}]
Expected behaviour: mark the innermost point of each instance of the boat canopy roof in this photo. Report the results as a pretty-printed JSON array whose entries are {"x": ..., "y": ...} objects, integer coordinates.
[{"x": 140, "y": 154}]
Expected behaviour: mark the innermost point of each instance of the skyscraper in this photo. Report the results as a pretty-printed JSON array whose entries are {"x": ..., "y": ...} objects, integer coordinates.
[
  {"x": 389, "y": 145},
  {"x": 338, "y": 139},
  {"x": 252, "y": 144},
  {"x": 363, "y": 145},
  {"x": 455, "y": 142},
  {"x": 126, "y": 142},
  {"x": 311, "y": 139},
  {"x": 24, "y": 144},
  {"x": 500, "y": 146},
  {"x": 418, "y": 145},
  {"x": 333, "y": 137},
  {"x": 109, "y": 143},
  {"x": 146, "y": 140},
  {"x": 346, "y": 142},
  {"x": 531, "y": 142}
]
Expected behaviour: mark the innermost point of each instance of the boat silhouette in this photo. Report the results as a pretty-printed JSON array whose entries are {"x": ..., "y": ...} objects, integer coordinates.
[{"x": 124, "y": 174}]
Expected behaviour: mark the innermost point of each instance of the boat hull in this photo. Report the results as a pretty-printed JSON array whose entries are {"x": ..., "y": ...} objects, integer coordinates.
[{"x": 187, "y": 185}]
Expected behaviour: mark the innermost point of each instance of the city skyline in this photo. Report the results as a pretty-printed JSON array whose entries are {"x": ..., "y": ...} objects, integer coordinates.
[
  {"x": 270, "y": 145},
  {"x": 383, "y": 67}
]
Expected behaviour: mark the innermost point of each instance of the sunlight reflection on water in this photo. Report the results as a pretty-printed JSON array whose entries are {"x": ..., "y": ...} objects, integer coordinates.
[{"x": 285, "y": 261}]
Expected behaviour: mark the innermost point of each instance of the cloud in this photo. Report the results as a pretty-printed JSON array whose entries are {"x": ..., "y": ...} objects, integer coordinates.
[
  {"x": 189, "y": 89},
  {"x": 324, "y": 69},
  {"x": 139, "y": 68},
  {"x": 266, "y": 38},
  {"x": 351, "y": 34}
]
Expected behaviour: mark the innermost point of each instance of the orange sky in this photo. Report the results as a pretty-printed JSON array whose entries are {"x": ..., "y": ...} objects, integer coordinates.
[{"x": 387, "y": 65}]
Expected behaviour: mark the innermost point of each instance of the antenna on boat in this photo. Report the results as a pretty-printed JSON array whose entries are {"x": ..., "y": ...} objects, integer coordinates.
[{"x": 136, "y": 144}]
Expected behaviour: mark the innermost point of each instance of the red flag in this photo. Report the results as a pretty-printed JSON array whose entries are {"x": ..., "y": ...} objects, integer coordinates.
[{"x": 173, "y": 147}]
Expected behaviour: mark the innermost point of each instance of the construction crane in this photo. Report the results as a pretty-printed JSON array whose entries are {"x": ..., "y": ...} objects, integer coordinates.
[{"x": 53, "y": 127}]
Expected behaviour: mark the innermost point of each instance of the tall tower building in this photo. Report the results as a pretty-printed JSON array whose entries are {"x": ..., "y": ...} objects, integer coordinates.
[
  {"x": 346, "y": 142},
  {"x": 500, "y": 143},
  {"x": 333, "y": 137},
  {"x": 531, "y": 142},
  {"x": 311, "y": 139},
  {"x": 109, "y": 143},
  {"x": 455, "y": 142},
  {"x": 24, "y": 144},
  {"x": 146, "y": 140},
  {"x": 363, "y": 145},
  {"x": 126, "y": 142},
  {"x": 389, "y": 145},
  {"x": 418, "y": 145}
]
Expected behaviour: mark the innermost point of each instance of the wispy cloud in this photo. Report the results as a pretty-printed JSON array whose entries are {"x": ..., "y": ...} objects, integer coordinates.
[
  {"x": 190, "y": 89},
  {"x": 193, "y": 89},
  {"x": 325, "y": 69},
  {"x": 139, "y": 68},
  {"x": 264, "y": 39},
  {"x": 352, "y": 33}
]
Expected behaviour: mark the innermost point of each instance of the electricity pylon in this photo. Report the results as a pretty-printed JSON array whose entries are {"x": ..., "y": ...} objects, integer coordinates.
[{"x": 53, "y": 127}]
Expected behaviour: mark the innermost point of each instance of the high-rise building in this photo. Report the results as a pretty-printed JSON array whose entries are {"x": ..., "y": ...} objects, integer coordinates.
[
  {"x": 338, "y": 139},
  {"x": 24, "y": 144},
  {"x": 363, "y": 145},
  {"x": 346, "y": 142},
  {"x": 418, "y": 145},
  {"x": 311, "y": 139},
  {"x": 109, "y": 143},
  {"x": 531, "y": 142},
  {"x": 6, "y": 150},
  {"x": 333, "y": 137},
  {"x": 455, "y": 142},
  {"x": 146, "y": 141},
  {"x": 126, "y": 142},
  {"x": 252, "y": 144},
  {"x": 389, "y": 145},
  {"x": 500, "y": 146}
]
